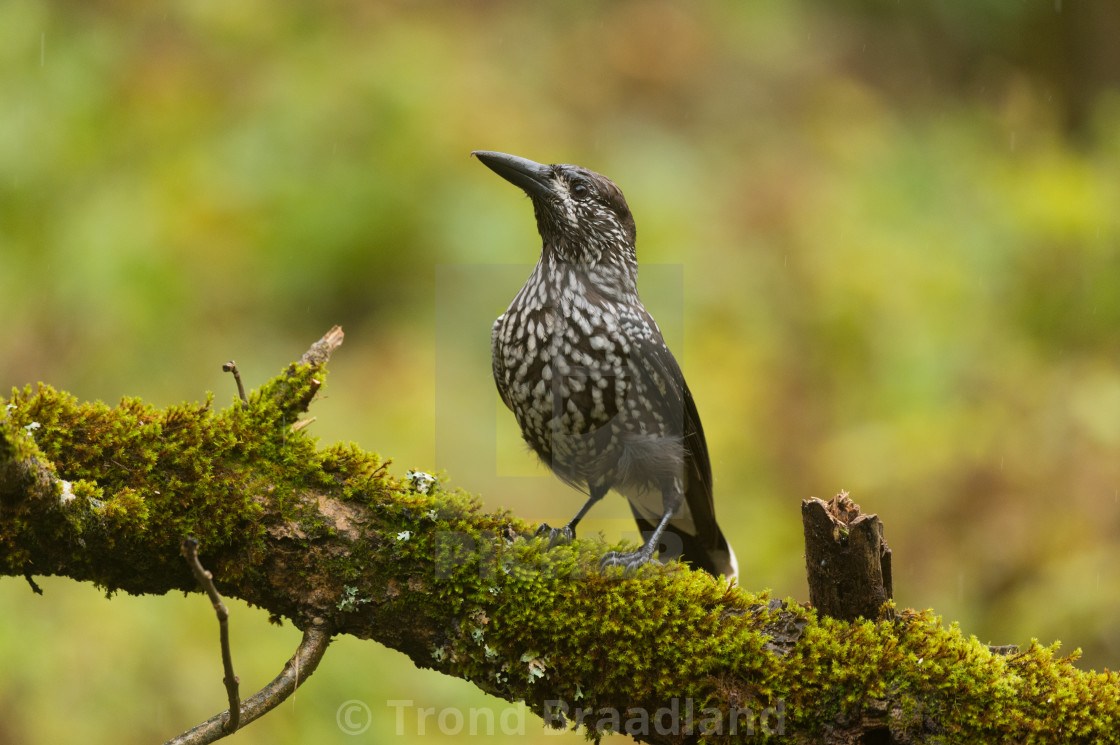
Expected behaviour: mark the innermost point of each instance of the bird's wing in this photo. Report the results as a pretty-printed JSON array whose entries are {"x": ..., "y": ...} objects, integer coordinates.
[
  {"x": 676, "y": 405},
  {"x": 703, "y": 542}
]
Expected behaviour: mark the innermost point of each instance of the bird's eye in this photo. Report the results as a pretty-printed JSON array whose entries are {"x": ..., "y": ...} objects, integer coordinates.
[{"x": 580, "y": 190}]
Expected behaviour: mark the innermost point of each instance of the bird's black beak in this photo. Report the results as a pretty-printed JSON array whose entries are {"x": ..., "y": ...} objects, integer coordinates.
[{"x": 534, "y": 178}]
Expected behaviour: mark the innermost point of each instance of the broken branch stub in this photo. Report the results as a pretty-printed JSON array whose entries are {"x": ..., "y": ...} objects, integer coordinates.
[{"x": 847, "y": 559}]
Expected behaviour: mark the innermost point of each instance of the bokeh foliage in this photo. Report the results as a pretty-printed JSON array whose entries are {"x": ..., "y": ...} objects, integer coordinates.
[{"x": 892, "y": 241}]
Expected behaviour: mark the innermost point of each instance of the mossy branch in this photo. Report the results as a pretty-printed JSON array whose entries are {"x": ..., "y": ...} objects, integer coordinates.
[{"x": 328, "y": 537}]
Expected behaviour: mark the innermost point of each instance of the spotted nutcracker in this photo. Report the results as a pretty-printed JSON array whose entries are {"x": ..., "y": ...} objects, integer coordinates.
[{"x": 583, "y": 366}]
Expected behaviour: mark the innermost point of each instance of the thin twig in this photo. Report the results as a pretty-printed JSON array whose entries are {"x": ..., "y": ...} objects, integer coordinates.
[
  {"x": 302, "y": 423},
  {"x": 231, "y": 367},
  {"x": 31, "y": 581},
  {"x": 190, "y": 553},
  {"x": 295, "y": 673}
]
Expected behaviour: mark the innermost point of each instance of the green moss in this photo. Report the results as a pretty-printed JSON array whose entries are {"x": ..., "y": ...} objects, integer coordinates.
[
  {"x": 492, "y": 606},
  {"x": 669, "y": 633},
  {"x": 158, "y": 475}
]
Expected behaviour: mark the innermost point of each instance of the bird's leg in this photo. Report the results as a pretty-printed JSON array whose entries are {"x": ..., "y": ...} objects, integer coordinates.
[
  {"x": 631, "y": 560},
  {"x": 568, "y": 533}
]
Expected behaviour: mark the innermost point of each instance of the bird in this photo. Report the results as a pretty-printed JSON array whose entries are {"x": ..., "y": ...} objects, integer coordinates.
[{"x": 586, "y": 372}]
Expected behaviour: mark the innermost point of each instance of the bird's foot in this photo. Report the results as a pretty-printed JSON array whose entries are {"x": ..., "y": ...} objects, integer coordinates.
[
  {"x": 629, "y": 561},
  {"x": 556, "y": 536}
]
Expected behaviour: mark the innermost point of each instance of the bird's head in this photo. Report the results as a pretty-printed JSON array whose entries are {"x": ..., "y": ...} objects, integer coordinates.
[{"x": 581, "y": 215}]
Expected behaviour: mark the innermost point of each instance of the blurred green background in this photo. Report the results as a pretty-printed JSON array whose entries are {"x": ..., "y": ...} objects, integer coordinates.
[{"x": 883, "y": 239}]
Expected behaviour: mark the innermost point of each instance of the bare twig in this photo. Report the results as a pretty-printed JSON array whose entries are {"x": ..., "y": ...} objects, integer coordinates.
[
  {"x": 231, "y": 367},
  {"x": 31, "y": 581},
  {"x": 321, "y": 350},
  {"x": 190, "y": 553},
  {"x": 302, "y": 423},
  {"x": 316, "y": 356},
  {"x": 298, "y": 669}
]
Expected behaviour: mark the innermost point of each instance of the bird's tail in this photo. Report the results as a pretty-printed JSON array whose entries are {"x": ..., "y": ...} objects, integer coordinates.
[{"x": 712, "y": 552}]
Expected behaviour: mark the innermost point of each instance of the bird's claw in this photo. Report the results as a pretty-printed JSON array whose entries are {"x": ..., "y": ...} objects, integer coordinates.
[
  {"x": 556, "y": 536},
  {"x": 629, "y": 561}
]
